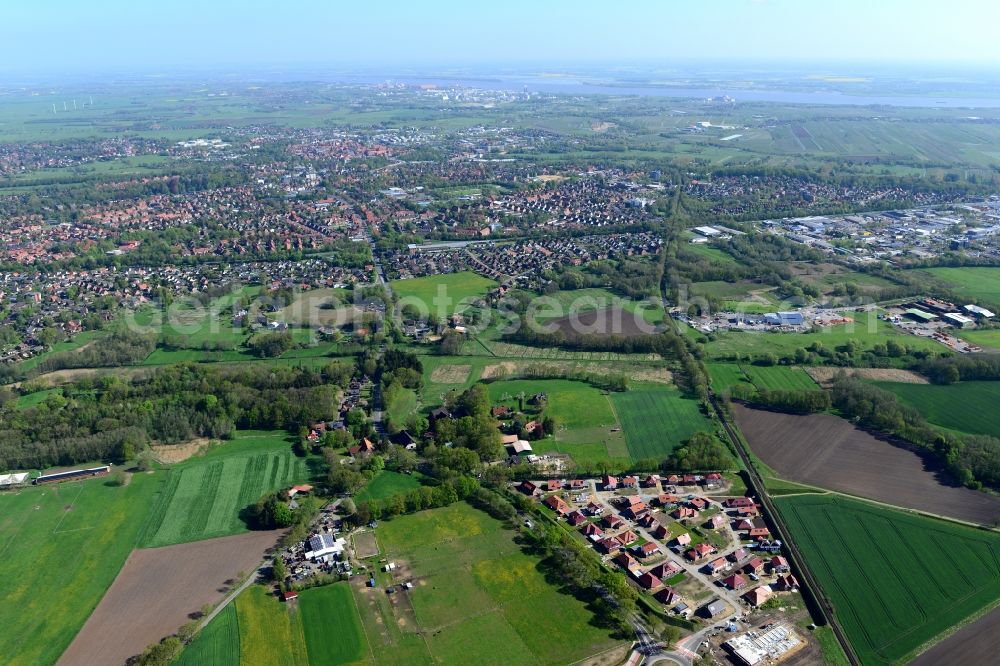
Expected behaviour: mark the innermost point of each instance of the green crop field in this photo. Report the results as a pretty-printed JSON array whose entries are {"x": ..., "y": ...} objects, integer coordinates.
[
  {"x": 896, "y": 580},
  {"x": 332, "y": 626},
  {"x": 270, "y": 633},
  {"x": 475, "y": 591},
  {"x": 203, "y": 496},
  {"x": 780, "y": 377},
  {"x": 61, "y": 547},
  {"x": 387, "y": 483},
  {"x": 217, "y": 644},
  {"x": 441, "y": 295},
  {"x": 656, "y": 419},
  {"x": 726, "y": 375},
  {"x": 966, "y": 406},
  {"x": 586, "y": 426},
  {"x": 973, "y": 282}
]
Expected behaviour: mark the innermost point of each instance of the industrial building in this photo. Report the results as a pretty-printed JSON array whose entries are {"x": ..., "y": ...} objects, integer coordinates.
[{"x": 755, "y": 647}]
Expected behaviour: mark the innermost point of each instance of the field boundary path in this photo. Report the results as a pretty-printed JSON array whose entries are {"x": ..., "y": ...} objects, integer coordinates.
[{"x": 756, "y": 485}]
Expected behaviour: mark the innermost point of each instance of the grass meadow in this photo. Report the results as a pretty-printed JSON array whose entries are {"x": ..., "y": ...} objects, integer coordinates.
[
  {"x": 896, "y": 580},
  {"x": 387, "y": 483},
  {"x": 780, "y": 377},
  {"x": 270, "y": 633},
  {"x": 457, "y": 289},
  {"x": 981, "y": 283},
  {"x": 475, "y": 591},
  {"x": 332, "y": 626},
  {"x": 61, "y": 547},
  {"x": 203, "y": 496}
]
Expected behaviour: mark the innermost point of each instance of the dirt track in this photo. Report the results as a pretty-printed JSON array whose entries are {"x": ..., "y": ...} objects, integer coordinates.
[
  {"x": 156, "y": 591},
  {"x": 828, "y": 452},
  {"x": 978, "y": 643}
]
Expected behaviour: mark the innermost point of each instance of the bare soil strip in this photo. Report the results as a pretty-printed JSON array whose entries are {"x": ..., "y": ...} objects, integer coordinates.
[
  {"x": 451, "y": 374},
  {"x": 170, "y": 454},
  {"x": 157, "y": 590},
  {"x": 637, "y": 372},
  {"x": 828, "y": 452},
  {"x": 824, "y": 376}
]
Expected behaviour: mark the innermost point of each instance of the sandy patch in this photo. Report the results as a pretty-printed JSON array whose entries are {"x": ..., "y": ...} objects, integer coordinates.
[
  {"x": 824, "y": 376},
  {"x": 602, "y": 126},
  {"x": 169, "y": 454},
  {"x": 451, "y": 374},
  {"x": 515, "y": 368}
]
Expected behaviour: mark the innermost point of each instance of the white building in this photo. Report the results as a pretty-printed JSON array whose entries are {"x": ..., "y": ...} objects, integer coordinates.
[
  {"x": 323, "y": 546},
  {"x": 13, "y": 479}
]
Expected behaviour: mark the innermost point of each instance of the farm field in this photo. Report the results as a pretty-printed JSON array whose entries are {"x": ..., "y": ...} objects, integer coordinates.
[
  {"x": 896, "y": 580},
  {"x": 657, "y": 419},
  {"x": 332, "y": 626},
  {"x": 216, "y": 644},
  {"x": 587, "y": 428},
  {"x": 203, "y": 496},
  {"x": 270, "y": 632},
  {"x": 388, "y": 483},
  {"x": 83, "y": 532},
  {"x": 828, "y": 452},
  {"x": 474, "y": 589},
  {"x": 965, "y": 406},
  {"x": 780, "y": 377},
  {"x": 726, "y": 375},
  {"x": 456, "y": 290},
  {"x": 979, "y": 283},
  {"x": 157, "y": 590}
]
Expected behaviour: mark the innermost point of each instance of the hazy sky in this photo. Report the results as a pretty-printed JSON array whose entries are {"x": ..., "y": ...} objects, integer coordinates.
[{"x": 63, "y": 35}]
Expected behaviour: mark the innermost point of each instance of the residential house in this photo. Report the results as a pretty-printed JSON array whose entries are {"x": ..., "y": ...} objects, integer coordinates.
[
  {"x": 667, "y": 595},
  {"x": 758, "y": 595},
  {"x": 592, "y": 532},
  {"x": 779, "y": 564},
  {"x": 576, "y": 518},
  {"x": 754, "y": 566},
  {"x": 626, "y": 561},
  {"x": 716, "y": 565},
  {"x": 557, "y": 504},
  {"x": 628, "y": 537},
  {"x": 717, "y": 521},
  {"x": 648, "y": 549},
  {"x": 735, "y": 582},
  {"x": 648, "y": 581},
  {"x": 666, "y": 570},
  {"x": 683, "y": 539},
  {"x": 528, "y": 488},
  {"x": 613, "y": 522},
  {"x": 700, "y": 551},
  {"x": 609, "y": 483},
  {"x": 786, "y": 583}
]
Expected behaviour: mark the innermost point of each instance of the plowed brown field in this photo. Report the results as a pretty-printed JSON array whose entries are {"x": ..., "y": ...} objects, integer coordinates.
[
  {"x": 826, "y": 451},
  {"x": 156, "y": 591}
]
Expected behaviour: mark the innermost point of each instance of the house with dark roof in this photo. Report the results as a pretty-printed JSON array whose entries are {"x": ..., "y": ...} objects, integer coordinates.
[{"x": 648, "y": 581}]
